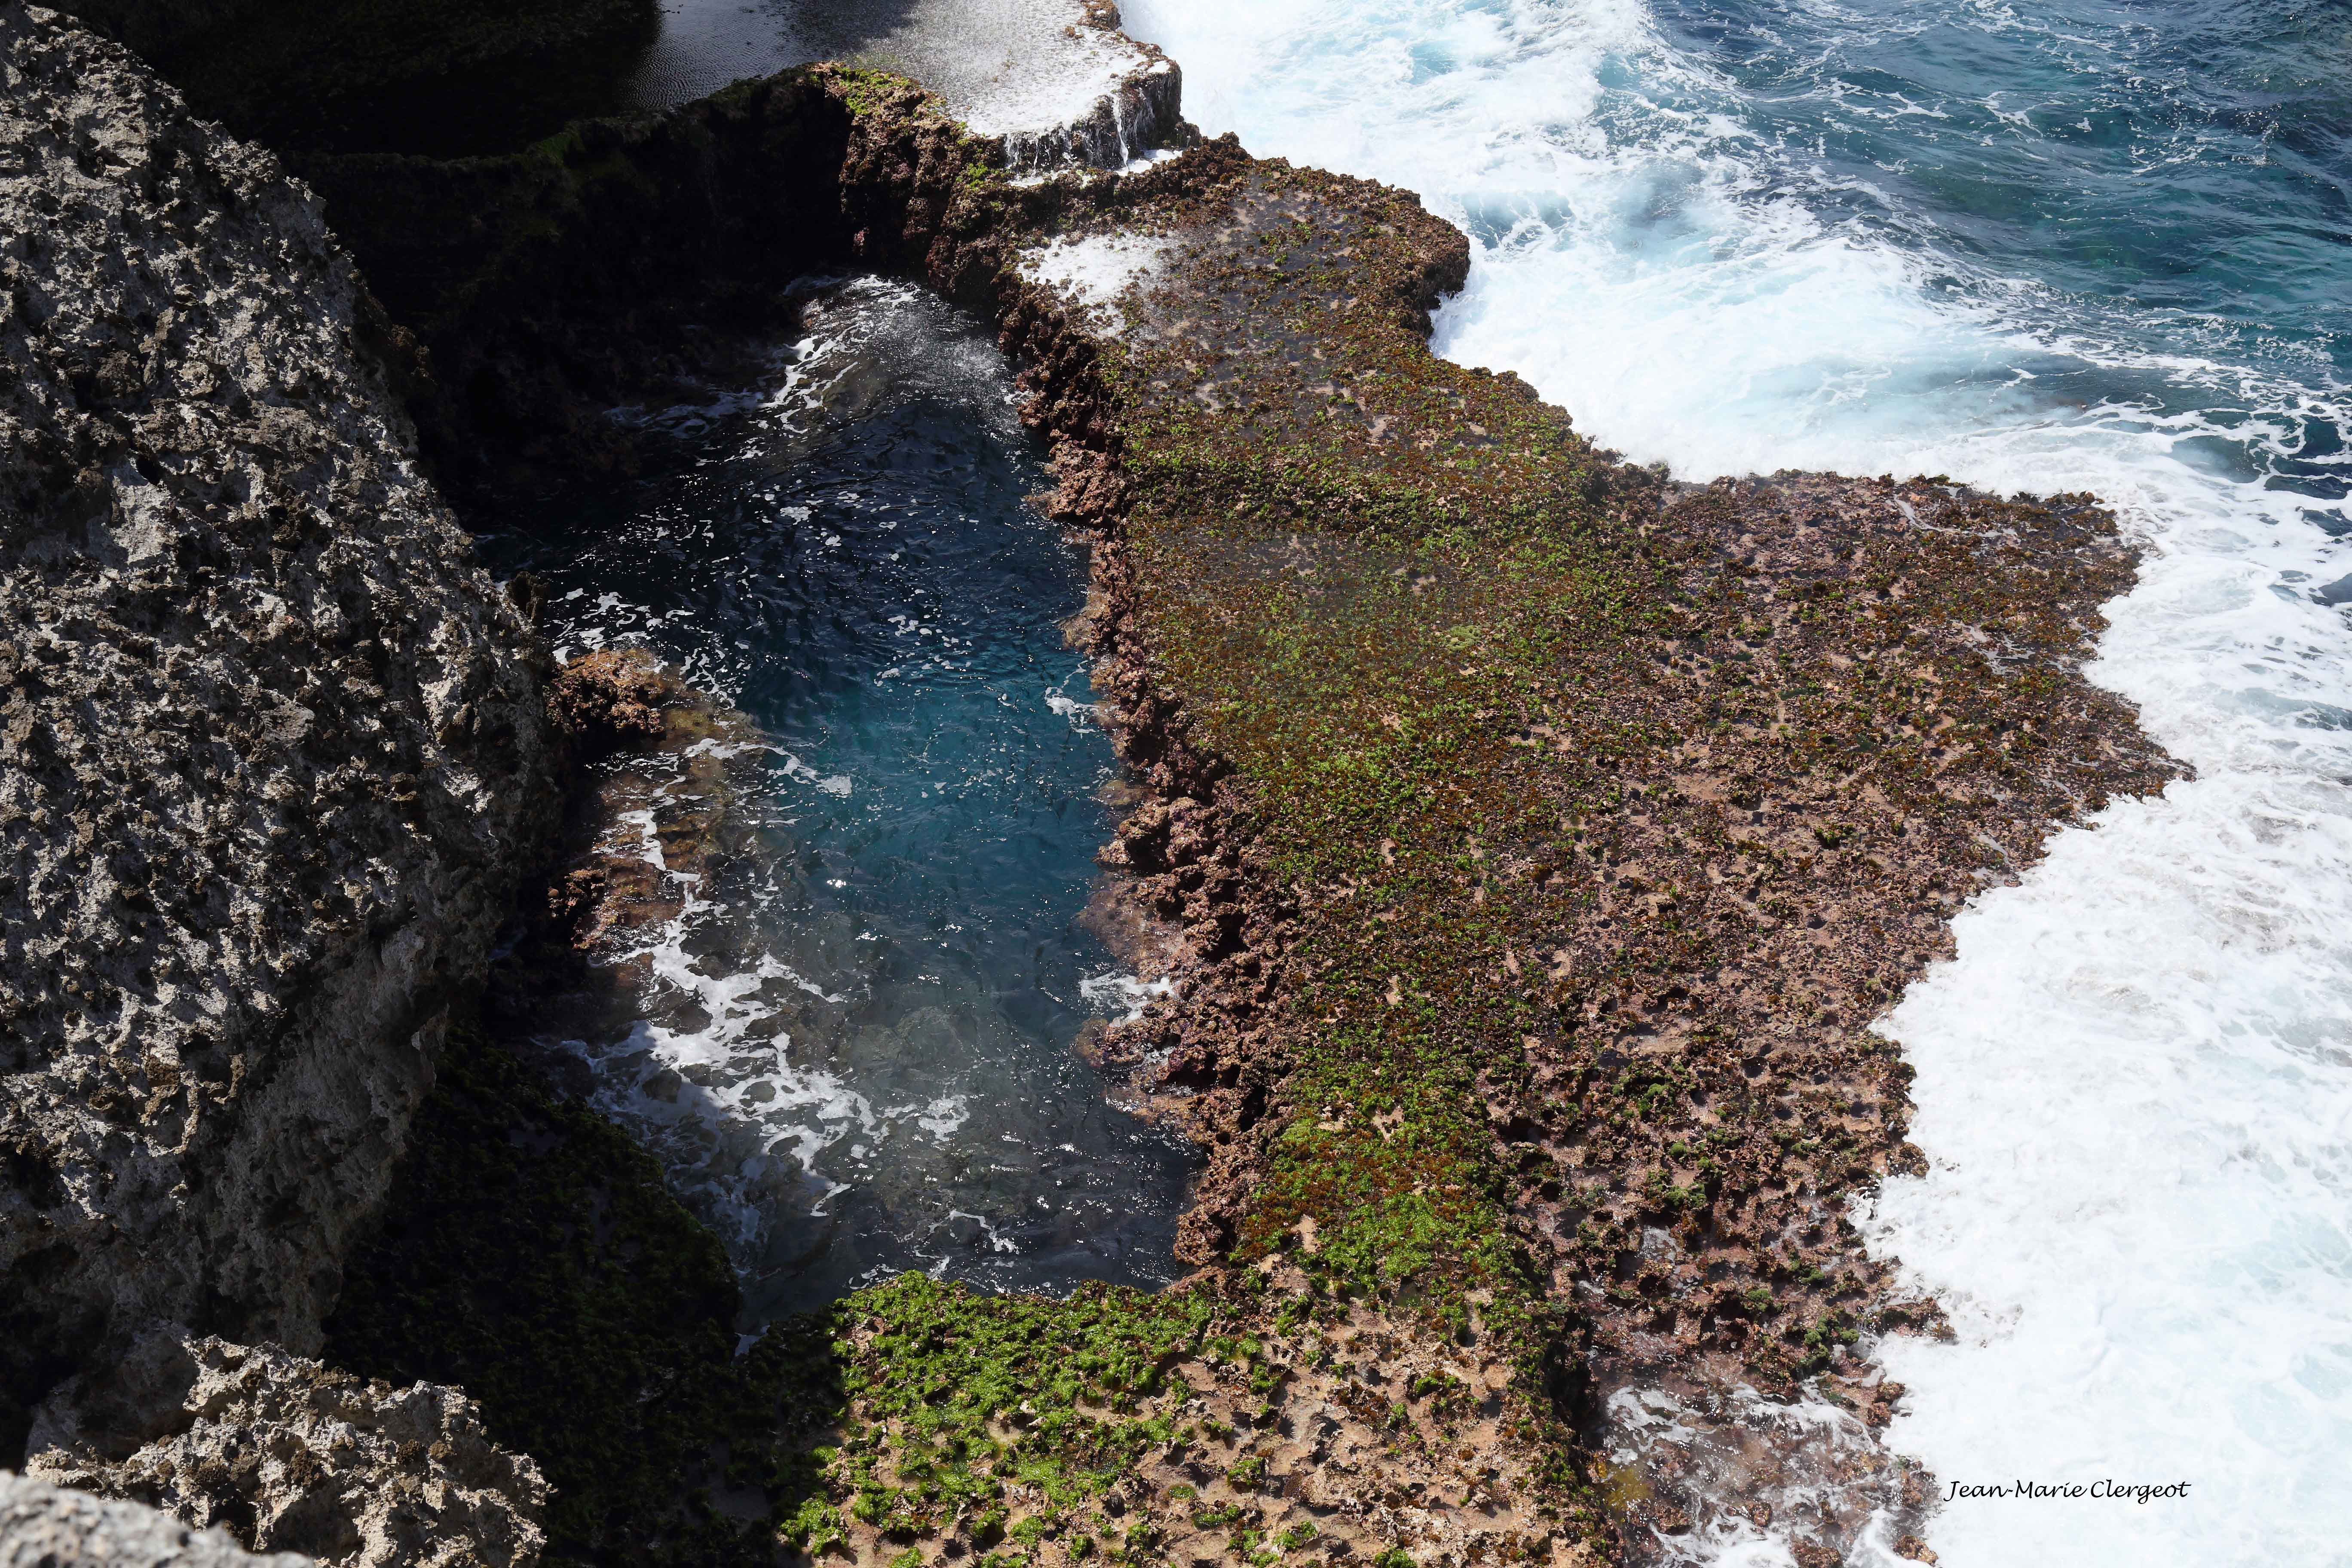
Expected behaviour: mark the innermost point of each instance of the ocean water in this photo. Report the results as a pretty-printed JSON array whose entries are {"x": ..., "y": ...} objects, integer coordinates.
[
  {"x": 853, "y": 1047},
  {"x": 2034, "y": 245}
]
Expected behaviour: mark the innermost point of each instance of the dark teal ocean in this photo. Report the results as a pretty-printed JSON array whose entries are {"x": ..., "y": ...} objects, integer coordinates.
[{"x": 856, "y": 1055}]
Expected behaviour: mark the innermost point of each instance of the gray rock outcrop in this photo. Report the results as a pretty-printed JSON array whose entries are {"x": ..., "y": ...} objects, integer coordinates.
[
  {"x": 271, "y": 744},
  {"x": 292, "y": 1455},
  {"x": 45, "y": 1526}
]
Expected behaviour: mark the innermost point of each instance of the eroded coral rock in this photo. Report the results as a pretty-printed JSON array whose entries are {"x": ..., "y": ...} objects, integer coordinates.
[
  {"x": 289, "y": 1455},
  {"x": 611, "y": 700},
  {"x": 45, "y": 1526},
  {"x": 271, "y": 746}
]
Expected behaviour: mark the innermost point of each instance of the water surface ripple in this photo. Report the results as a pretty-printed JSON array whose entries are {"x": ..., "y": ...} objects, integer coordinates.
[{"x": 854, "y": 1048}]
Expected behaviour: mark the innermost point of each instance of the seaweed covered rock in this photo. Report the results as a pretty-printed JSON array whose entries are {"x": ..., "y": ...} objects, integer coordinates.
[
  {"x": 289, "y": 1455},
  {"x": 44, "y": 1526},
  {"x": 610, "y": 701},
  {"x": 271, "y": 744},
  {"x": 1546, "y": 836}
]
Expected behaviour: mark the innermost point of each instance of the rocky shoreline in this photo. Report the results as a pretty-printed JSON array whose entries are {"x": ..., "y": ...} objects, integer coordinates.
[
  {"x": 1667, "y": 875},
  {"x": 1535, "y": 841}
]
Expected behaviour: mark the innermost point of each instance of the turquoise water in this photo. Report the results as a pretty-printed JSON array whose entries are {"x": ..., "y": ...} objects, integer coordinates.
[
  {"x": 855, "y": 1046},
  {"x": 2037, "y": 245}
]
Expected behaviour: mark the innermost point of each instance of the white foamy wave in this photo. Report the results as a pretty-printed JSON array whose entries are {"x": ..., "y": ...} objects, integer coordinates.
[
  {"x": 1771, "y": 1455},
  {"x": 1094, "y": 272},
  {"x": 1062, "y": 705},
  {"x": 2136, "y": 1082},
  {"x": 2135, "y": 1091},
  {"x": 1096, "y": 269},
  {"x": 942, "y": 1118},
  {"x": 707, "y": 1079},
  {"x": 1121, "y": 996}
]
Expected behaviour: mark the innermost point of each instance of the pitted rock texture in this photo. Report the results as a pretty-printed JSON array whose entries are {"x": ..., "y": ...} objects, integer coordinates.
[
  {"x": 271, "y": 745},
  {"x": 42, "y": 1526},
  {"x": 287, "y": 1454}
]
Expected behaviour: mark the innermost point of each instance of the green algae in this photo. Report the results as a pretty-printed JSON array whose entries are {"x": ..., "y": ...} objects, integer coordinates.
[{"x": 960, "y": 1395}]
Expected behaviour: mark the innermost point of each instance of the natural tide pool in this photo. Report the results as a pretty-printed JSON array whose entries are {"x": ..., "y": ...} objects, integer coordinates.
[{"x": 853, "y": 1047}]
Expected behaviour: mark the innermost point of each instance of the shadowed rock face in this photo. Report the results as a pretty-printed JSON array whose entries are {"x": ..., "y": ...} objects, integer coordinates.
[
  {"x": 448, "y": 76},
  {"x": 271, "y": 747},
  {"x": 1055, "y": 81}
]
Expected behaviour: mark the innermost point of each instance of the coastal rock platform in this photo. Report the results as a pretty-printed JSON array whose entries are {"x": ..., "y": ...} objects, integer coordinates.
[{"x": 1542, "y": 836}]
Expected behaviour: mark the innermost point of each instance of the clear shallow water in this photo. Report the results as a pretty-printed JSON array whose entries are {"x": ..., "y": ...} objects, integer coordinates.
[
  {"x": 855, "y": 1053},
  {"x": 2036, "y": 244}
]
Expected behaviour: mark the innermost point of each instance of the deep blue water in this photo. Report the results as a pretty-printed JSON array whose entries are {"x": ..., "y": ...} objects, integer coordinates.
[
  {"x": 856, "y": 1047},
  {"x": 2140, "y": 183}
]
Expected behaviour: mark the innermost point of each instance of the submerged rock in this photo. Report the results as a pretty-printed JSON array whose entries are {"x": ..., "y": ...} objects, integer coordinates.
[
  {"x": 611, "y": 700},
  {"x": 271, "y": 745}
]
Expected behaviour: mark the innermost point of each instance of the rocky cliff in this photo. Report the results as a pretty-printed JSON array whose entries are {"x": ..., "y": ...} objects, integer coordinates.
[
  {"x": 271, "y": 746},
  {"x": 289, "y": 1455}
]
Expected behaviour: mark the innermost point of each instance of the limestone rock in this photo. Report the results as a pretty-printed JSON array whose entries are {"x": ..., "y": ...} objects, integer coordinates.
[
  {"x": 292, "y": 1455},
  {"x": 611, "y": 700},
  {"x": 449, "y": 76},
  {"x": 43, "y": 1526},
  {"x": 271, "y": 744}
]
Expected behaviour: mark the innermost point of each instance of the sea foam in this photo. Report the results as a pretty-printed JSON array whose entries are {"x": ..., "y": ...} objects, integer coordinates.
[{"x": 2134, "y": 1084}]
